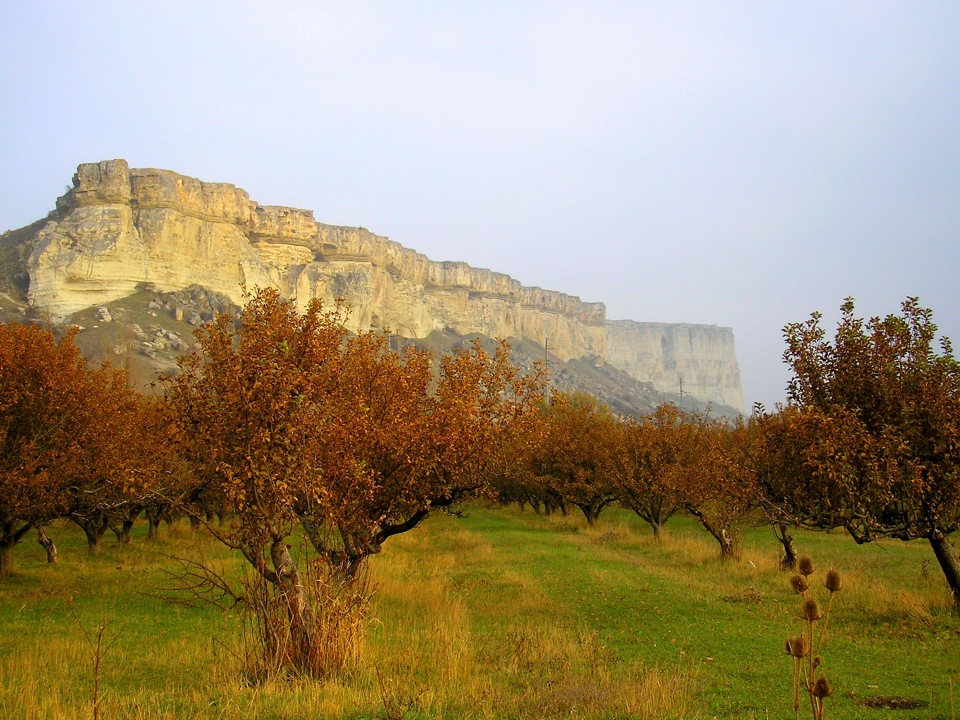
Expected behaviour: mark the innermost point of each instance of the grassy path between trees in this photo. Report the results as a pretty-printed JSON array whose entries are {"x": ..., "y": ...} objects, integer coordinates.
[{"x": 500, "y": 614}]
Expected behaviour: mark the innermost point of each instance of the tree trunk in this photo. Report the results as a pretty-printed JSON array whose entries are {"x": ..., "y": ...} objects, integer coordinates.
[
  {"x": 93, "y": 540},
  {"x": 728, "y": 545},
  {"x": 94, "y": 529},
  {"x": 9, "y": 537},
  {"x": 123, "y": 532},
  {"x": 171, "y": 517},
  {"x": 6, "y": 557},
  {"x": 727, "y": 541},
  {"x": 345, "y": 563},
  {"x": 346, "y": 567},
  {"x": 949, "y": 562},
  {"x": 592, "y": 510},
  {"x": 153, "y": 523},
  {"x": 656, "y": 518},
  {"x": 298, "y": 611},
  {"x": 589, "y": 513},
  {"x": 789, "y": 559},
  {"x": 657, "y": 529},
  {"x": 313, "y": 534},
  {"x": 47, "y": 542}
]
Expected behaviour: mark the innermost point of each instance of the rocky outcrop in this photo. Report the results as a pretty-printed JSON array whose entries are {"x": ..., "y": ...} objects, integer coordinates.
[
  {"x": 390, "y": 286},
  {"x": 698, "y": 360},
  {"x": 119, "y": 230}
]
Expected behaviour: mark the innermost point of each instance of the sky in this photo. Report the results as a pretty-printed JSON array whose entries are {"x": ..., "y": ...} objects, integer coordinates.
[{"x": 730, "y": 163}]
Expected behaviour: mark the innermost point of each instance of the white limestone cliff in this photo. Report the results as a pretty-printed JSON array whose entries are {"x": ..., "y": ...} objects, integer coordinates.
[
  {"x": 120, "y": 229},
  {"x": 698, "y": 360}
]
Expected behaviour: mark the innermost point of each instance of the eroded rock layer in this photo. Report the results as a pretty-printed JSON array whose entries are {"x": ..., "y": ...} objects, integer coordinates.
[
  {"x": 697, "y": 360},
  {"x": 121, "y": 229}
]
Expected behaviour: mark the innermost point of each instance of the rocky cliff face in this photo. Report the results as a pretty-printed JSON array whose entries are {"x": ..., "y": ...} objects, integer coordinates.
[
  {"x": 119, "y": 230},
  {"x": 697, "y": 360}
]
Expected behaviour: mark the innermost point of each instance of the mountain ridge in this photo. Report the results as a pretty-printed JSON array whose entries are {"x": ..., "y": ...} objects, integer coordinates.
[{"x": 119, "y": 230}]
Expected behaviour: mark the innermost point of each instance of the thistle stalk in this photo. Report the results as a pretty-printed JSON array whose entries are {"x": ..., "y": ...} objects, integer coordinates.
[
  {"x": 833, "y": 583},
  {"x": 803, "y": 646}
]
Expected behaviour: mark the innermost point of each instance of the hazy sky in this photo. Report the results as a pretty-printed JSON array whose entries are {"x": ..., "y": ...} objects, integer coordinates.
[{"x": 728, "y": 163}]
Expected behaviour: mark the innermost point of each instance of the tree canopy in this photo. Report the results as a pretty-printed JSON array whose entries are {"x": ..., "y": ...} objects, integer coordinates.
[{"x": 871, "y": 441}]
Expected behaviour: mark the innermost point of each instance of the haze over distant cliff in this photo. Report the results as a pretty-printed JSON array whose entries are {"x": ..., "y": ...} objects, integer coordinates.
[{"x": 119, "y": 230}]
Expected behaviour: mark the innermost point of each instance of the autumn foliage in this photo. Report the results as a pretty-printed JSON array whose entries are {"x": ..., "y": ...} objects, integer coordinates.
[
  {"x": 323, "y": 445},
  {"x": 71, "y": 439},
  {"x": 871, "y": 439},
  {"x": 655, "y": 462},
  {"x": 300, "y": 426},
  {"x": 572, "y": 463}
]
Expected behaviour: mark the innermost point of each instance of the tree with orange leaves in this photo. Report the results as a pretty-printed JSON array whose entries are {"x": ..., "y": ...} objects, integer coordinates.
[
  {"x": 871, "y": 442},
  {"x": 117, "y": 459},
  {"x": 671, "y": 461},
  {"x": 42, "y": 402},
  {"x": 252, "y": 409},
  {"x": 423, "y": 442},
  {"x": 653, "y": 457},
  {"x": 719, "y": 491},
  {"x": 575, "y": 457},
  {"x": 298, "y": 425},
  {"x": 68, "y": 437},
  {"x": 76, "y": 443}
]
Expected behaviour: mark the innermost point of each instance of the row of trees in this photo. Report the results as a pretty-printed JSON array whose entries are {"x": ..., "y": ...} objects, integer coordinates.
[
  {"x": 656, "y": 465},
  {"x": 289, "y": 423},
  {"x": 74, "y": 443},
  {"x": 869, "y": 442},
  {"x": 282, "y": 420}
]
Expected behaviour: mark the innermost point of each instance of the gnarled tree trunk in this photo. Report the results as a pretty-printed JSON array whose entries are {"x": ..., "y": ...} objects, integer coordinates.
[
  {"x": 591, "y": 511},
  {"x": 298, "y": 609},
  {"x": 153, "y": 522},
  {"x": 726, "y": 539},
  {"x": 657, "y": 528},
  {"x": 949, "y": 562},
  {"x": 47, "y": 543},
  {"x": 171, "y": 517},
  {"x": 657, "y": 517},
  {"x": 123, "y": 532},
  {"x": 789, "y": 559},
  {"x": 94, "y": 527}
]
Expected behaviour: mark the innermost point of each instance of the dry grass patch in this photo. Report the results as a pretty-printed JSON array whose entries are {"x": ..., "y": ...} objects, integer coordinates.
[
  {"x": 896, "y": 604},
  {"x": 556, "y": 671}
]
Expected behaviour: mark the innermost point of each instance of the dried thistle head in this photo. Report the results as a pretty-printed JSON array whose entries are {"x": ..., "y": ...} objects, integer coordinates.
[
  {"x": 796, "y": 647},
  {"x": 798, "y": 584},
  {"x": 821, "y": 688},
  {"x": 833, "y": 582},
  {"x": 811, "y": 610},
  {"x": 805, "y": 566}
]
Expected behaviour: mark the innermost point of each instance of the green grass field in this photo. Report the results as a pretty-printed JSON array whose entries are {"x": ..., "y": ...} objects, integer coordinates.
[{"x": 501, "y": 614}]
